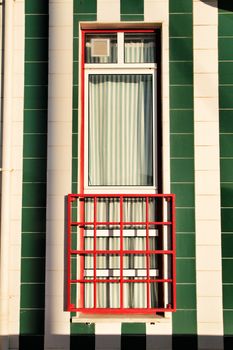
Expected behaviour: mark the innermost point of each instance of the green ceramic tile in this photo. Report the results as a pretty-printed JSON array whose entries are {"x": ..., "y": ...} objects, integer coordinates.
[
  {"x": 34, "y": 170},
  {"x": 132, "y": 6},
  {"x": 75, "y": 121},
  {"x": 133, "y": 328},
  {"x": 227, "y": 268},
  {"x": 32, "y": 296},
  {"x": 36, "y": 73},
  {"x": 181, "y": 121},
  {"x": 181, "y": 97},
  {"x": 32, "y": 270},
  {"x": 83, "y": 328},
  {"x": 226, "y": 72},
  {"x": 74, "y": 170},
  {"x": 82, "y": 18},
  {"x": 132, "y": 17},
  {"x": 185, "y": 245},
  {"x": 180, "y": 6},
  {"x": 226, "y": 145},
  {"x": 180, "y": 25},
  {"x": 186, "y": 296},
  {"x": 74, "y": 145},
  {"x": 225, "y": 47},
  {"x": 225, "y": 25},
  {"x": 75, "y": 96},
  {"x": 184, "y": 322},
  {"x": 76, "y": 50},
  {"x": 227, "y": 297},
  {"x": 181, "y": 73},
  {"x": 227, "y": 222},
  {"x": 181, "y": 146},
  {"x": 181, "y": 49},
  {"x": 75, "y": 73},
  {"x": 228, "y": 322},
  {"x": 34, "y": 219},
  {"x": 226, "y": 169},
  {"x": 32, "y": 322},
  {"x": 227, "y": 195},
  {"x": 33, "y": 245},
  {"x": 36, "y": 7},
  {"x": 225, "y": 6},
  {"x": 35, "y": 146},
  {"x": 34, "y": 195},
  {"x": 83, "y": 6},
  {"x": 226, "y": 121},
  {"x": 226, "y": 96},
  {"x": 185, "y": 270},
  {"x": 36, "y": 50},
  {"x": 35, "y": 97},
  {"x": 35, "y": 121},
  {"x": 182, "y": 170},
  {"x": 36, "y": 26},
  {"x": 184, "y": 194}
]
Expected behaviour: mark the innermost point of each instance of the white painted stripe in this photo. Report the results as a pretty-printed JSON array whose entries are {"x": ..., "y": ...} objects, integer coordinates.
[
  {"x": 108, "y": 10},
  {"x": 207, "y": 177},
  {"x": 57, "y": 325}
]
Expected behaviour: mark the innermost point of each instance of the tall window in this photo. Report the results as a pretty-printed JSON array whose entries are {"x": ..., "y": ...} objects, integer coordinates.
[{"x": 120, "y": 234}]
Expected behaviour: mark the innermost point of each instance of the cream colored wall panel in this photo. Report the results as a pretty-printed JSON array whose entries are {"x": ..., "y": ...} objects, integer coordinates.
[
  {"x": 207, "y": 282},
  {"x": 209, "y": 230},
  {"x": 209, "y": 306},
  {"x": 206, "y": 182},
  {"x": 60, "y": 85},
  {"x": 206, "y": 109},
  {"x": 207, "y": 207},
  {"x": 205, "y": 13},
  {"x": 60, "y": 38},
  {"x": 108, "y": 10},
  {"x": 205, "y": 85},
  {"x": 205, "y": 37},
  {"x": 59, "y": 14},
  {"x": 205, "y": 61},
  {"x": 59, "y": 134},
  {"x": 17, "y": 154},
  {"x": 18, "y": 61},
  {"x": 155, "y": 10},
  {"x": 107, "y": 336},
  {"x": 203, "y": 264},
  {"x": 206, "y": 159},
  {"x": 59, "y": 109},
  {"x": 59, "y": 153},
  {"x": 206, "y": 134},
  {"x": 19, "y": 13},
  {"x": 58, "y": 186},
  {"x": 18, "y": 38},
  {"x": 58, "y": 62},
  {"x": 17, "y": 110},
  {"x": 16, "y": 203},
  {"x": 57, "y": 211}
]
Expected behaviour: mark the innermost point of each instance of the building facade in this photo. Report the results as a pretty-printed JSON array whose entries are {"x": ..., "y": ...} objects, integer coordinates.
[{"x": 129, "y": 105}]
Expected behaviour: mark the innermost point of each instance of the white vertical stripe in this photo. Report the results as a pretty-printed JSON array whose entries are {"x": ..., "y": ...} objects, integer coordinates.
[
  {"x": 207, "y": 176},
  {"x": 57, "y": 325},
  {"x": 159, "y": 334},
  {"x": 108, "y": 10}
]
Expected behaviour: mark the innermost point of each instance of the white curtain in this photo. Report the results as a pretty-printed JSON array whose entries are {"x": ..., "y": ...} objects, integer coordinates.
[{"x": 120, "y": 130}]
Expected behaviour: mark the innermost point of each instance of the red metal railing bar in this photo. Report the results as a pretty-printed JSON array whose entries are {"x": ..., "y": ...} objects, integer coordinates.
[
  {"x": 69, "y": 254},
  {"x": 125, "y": 223},
  {"x": 95, "y": 204},
  {"x": 147, "y": 256},
  {"x": 121, "y": 253},
  {"x": 169, "y": 280},
  {"x": 174, "y": 250},
  {"x": 118, "y": 311},
  {"x": 103, "y": 251}
]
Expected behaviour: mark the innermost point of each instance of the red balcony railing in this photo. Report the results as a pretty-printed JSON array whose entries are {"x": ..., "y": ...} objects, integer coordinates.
[{"x": 121, "y": 253}]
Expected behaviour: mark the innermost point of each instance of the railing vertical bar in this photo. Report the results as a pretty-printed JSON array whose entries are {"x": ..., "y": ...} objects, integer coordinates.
[
  {"x": 95, "y": 210},
  {"x": 147, "y": 255},
  {"x": 69, "y": 253},
  {"x": 174, "y": 250},
  {"x": 121, "y": 253}
]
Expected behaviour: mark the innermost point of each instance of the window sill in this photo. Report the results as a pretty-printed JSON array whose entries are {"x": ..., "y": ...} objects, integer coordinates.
[{"x": 81, "y": 318}]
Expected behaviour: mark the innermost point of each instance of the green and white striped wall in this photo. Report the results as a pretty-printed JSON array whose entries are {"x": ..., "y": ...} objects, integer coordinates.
[{"x": 197, "y": 123}]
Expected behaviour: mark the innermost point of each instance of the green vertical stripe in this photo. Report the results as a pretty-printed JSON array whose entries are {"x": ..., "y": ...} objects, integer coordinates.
[
  {"x": 184, "y": 321},
  {"x": 225, "y": 43},
  {"x": 32, "y": 301},
  {"x": 132, "y": 10}
]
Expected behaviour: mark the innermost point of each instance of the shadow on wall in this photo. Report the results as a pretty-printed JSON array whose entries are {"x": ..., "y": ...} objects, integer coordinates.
[{"x": 226, "y": 5}]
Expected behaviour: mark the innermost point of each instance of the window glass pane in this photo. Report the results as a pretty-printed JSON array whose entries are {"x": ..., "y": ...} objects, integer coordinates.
[
  {"x": 101, "y": 48},
  {"x": 120, "y": 140},
  {"x": 139, "y": 48}
]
